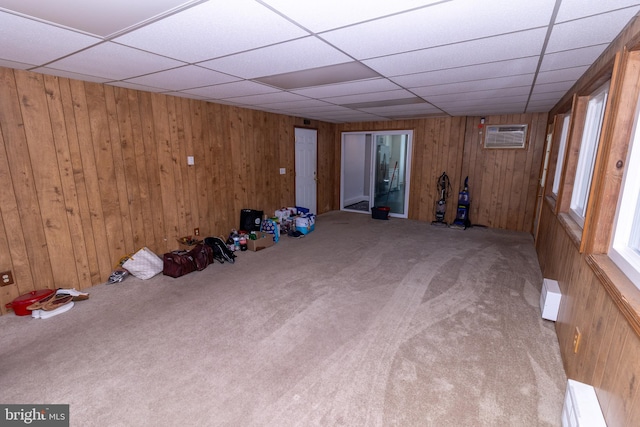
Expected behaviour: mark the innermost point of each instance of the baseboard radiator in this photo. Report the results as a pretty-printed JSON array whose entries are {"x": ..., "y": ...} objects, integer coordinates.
[
  {"x": 550, "y": 299},
  {"x": 581, "y": 407}
]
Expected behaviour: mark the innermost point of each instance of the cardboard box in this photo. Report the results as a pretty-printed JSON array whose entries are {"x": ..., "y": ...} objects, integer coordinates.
[
  {"x": 187, "y": 243},
  {"x": 263, "y": 241}
]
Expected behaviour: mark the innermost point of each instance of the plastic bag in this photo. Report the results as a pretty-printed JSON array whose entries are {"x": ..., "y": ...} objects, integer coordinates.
[{"x": 144, "y": 264}]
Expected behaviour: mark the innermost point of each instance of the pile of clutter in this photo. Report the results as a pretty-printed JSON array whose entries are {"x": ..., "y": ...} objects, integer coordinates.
[
  {"x": 295, "y": 222},
  {"x": 195, "y": 255},
  {"x": 46, "y": 303},
  {"x": 257, "y": 231},
  {"x": 255, "y": 226}
]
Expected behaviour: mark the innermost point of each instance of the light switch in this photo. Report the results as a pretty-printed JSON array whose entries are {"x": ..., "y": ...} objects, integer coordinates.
[
  {"x": 190, "y": 161},
  {"x": 283, "y": 171}
]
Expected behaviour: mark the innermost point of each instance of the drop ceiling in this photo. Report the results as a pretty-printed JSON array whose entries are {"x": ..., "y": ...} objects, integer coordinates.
[{"x": 331, "y": 60}]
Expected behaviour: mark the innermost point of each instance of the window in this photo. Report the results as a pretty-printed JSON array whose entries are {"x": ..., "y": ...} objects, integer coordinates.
[
  {"x": 563, "y": 146},
  {"x": 587, "y": 156},
  {"x": 625, "y": 244}
]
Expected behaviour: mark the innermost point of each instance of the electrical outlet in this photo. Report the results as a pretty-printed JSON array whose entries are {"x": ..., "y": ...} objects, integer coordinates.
[
  {"x": 6, "y": 278},
  {"x": 196, "y": 231},
  {"x": 577, "y": 337}
]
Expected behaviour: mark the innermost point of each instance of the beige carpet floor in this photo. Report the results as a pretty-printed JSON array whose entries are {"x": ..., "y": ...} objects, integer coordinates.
[{"x": 361, "y": 323}]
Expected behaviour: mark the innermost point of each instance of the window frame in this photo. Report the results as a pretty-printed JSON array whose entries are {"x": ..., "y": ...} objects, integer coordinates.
[
  {"x": 626, "y": 225},
  {"x": 589, "y": 143}
]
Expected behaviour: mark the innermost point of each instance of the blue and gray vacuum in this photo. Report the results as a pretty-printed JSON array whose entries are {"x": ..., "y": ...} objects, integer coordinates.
[{"x": 462, "y": 216}]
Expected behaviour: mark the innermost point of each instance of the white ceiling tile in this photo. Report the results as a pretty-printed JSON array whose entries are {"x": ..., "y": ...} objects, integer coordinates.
[
  {"x": 594, "y": 30},
  {"x": 30, "y": 42},
  {"x": 548, "y": 104},
  {"x": 561, "y": 75},
  {"x": 487, "y": 95},
  {"x": 328, "y": 14},
  {"x": 351, "y": 88},
  {"x": 473, "y": 72},
  {"x": 574, "y": 9},
  {"x": 553, "y": 87},
  {"x": 224, "y": 102},
  {"x": 277, "y": 59},
  {"x": 115, "y": 62},
  {"x": 461, "y": 99},
  {"x": 487, "y": 110},
  {"x": 268, "y": 98},
  {"x": 483, "y": 109},
  {"x": 134, "y": 86},
  {"x": 233, "y": 89},
  {"x": 350, "y": 116},
  {"x": 407, "y": 102},
  {"x": 96, "y": 17},
  {"x": 440, "y": 25},
  {"x": 321, "y": 76},
  {"x": 547, "y": 96},
  {"x": 186, "y": 95},
  {"x": 571, "y": 58},
  {"x": 182, "y": 78},
  {"x": 318, "y": 109},
  {"x": 492, "y": 111},
  {"x": 301, "y": 104},
  {"x": 477, "y": 85},
  {"x": 214, "y": 29},
  {"x": 369, "y": 97},
  {"x": 16, "y": 65},
  {"x": 70, "y": 75},
  {"x": 331, "y": 109},
  {"x": 510, "y": 46},
  {"x": 403, "y": 109},
  {"x": 538, "y": 109}
]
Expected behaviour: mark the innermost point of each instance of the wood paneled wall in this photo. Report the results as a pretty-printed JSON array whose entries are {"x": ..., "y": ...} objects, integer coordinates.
[
  {"x": 502, "y": 183},
  {"x": 90, "y": 172},
  {"x": 607, "y": 357}
]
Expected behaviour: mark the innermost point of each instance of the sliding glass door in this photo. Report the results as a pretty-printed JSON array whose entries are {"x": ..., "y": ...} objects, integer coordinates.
[{"x": 376, "y": 171}]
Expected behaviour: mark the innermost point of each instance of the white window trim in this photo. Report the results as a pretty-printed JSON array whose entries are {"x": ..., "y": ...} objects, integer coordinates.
[
  {"x": 627, "y": 220},
  {"x": 587, "y": 156},
  {"x": 561, "y": 152}
]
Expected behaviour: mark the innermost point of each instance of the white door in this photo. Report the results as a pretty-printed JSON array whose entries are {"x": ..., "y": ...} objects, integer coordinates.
[{"x": 306, "y": 171}]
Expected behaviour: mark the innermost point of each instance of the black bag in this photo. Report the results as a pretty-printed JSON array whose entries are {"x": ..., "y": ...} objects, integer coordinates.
[
  {"x": 220, "y": 250},
  {"x": 250, "y": 220}
]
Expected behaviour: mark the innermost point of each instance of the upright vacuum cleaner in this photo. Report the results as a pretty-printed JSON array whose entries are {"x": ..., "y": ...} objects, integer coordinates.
[
  {"x": 444, "y": 188},
  {"x": 462, "y": 216}
]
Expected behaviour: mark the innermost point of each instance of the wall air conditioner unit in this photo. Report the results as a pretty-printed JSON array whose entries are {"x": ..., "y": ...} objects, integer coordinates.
[{"x": 505, "y": 136}]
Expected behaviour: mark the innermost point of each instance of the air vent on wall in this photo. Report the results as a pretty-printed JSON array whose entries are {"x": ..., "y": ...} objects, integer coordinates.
[{"x": 505, "y": 136}]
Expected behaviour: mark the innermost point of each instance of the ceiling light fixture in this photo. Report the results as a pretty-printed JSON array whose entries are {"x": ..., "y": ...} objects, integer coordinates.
[{"x": 330, "y": 74}]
